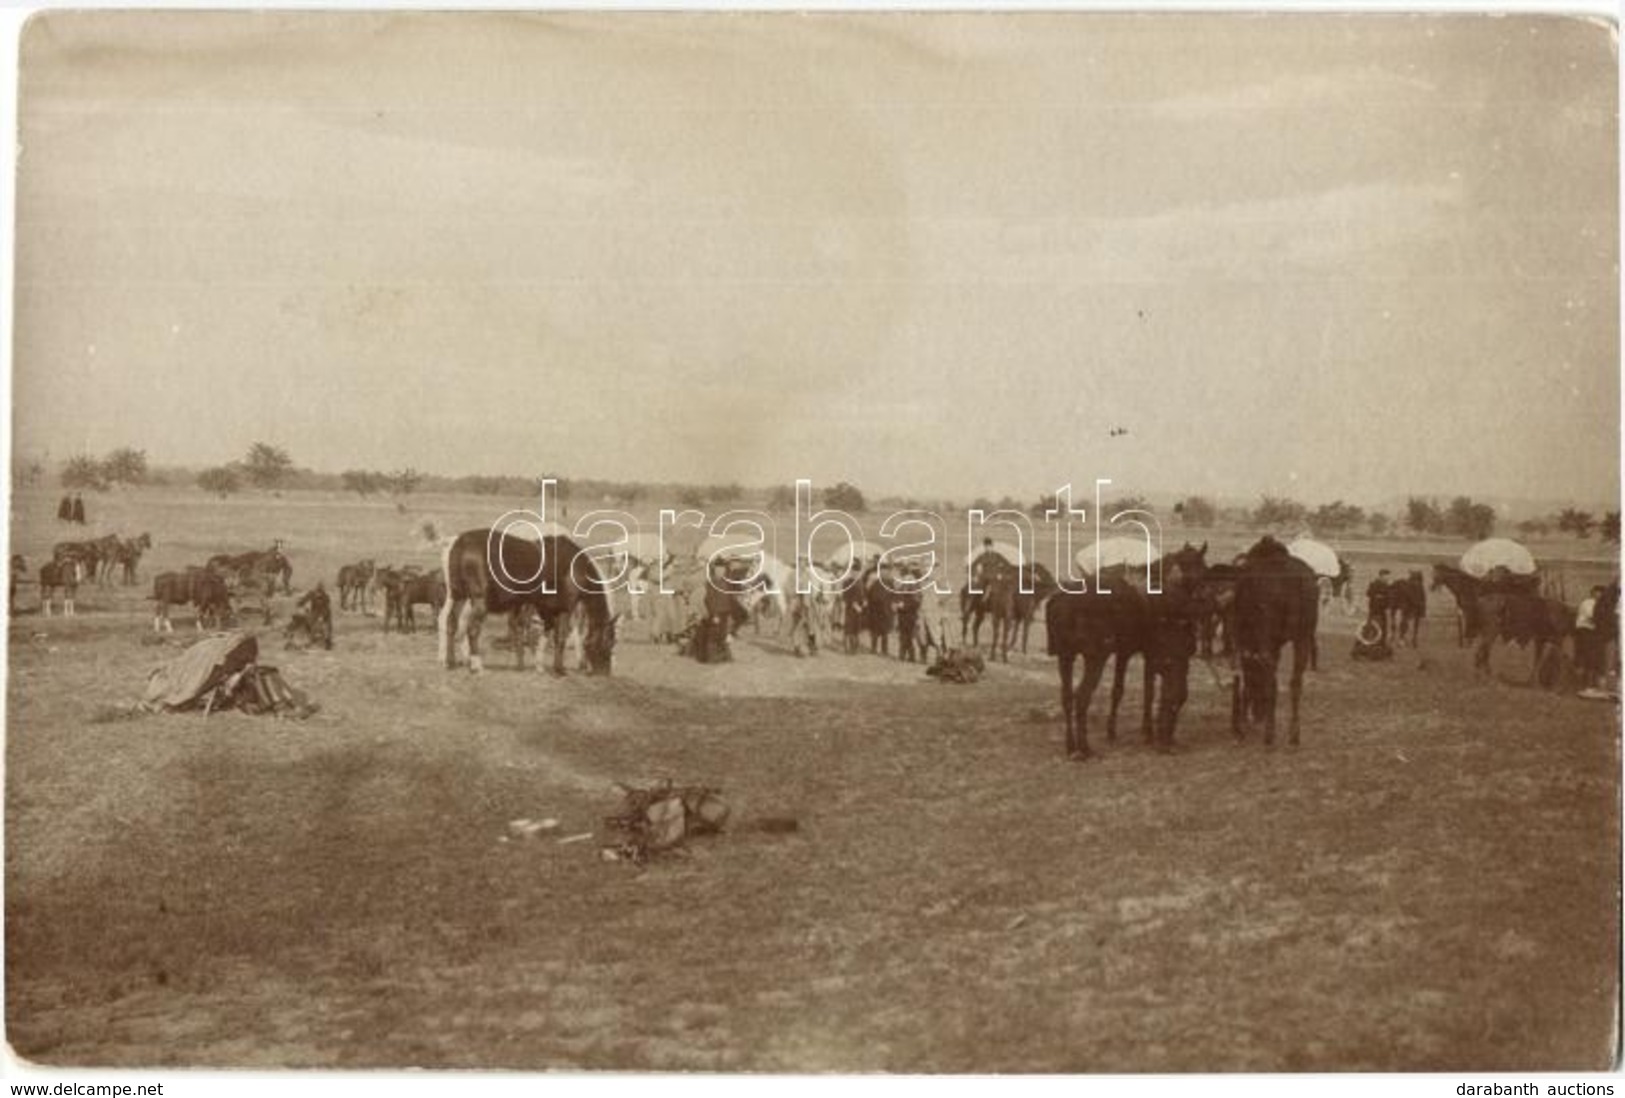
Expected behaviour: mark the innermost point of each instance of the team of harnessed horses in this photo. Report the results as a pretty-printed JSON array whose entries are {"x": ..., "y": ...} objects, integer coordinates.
[{"x": 1262, "y": 601}]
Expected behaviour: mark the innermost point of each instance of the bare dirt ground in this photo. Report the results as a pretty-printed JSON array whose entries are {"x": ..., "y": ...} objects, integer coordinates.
[{"x": 1431, "y": 882}]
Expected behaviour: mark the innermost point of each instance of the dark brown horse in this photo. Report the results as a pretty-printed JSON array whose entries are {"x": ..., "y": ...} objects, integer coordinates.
[
  {"x": 128, "y": 556},
  {"x": 247, "y": 568},
  {"x": 355, "y": 585},
  {"x": 63, "y": 575},
  {"x": 488, "y": 571},
  {"x": 995, "y": 592},
  {"x": 1277, "y": 603},
  {"x": 1465, "y": 590},
  {"x": 1181, "y": 601},
  {"x": 1035, "y": 586},
  {"x": 1504, "y": 606},
  {"x": 201, "y": 587},
  {"x": 1124, "y": 622},
  {"x": 1407, "y": 609},
  {"x": 413, "y": 591}
]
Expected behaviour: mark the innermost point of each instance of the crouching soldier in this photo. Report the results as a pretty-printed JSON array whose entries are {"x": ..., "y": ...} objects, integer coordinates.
[{"x": 314, "y": 613}]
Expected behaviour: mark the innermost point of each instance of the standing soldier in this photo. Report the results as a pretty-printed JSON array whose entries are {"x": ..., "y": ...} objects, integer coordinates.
[
  {"x": 880, "y": 610},
  {"x": 804, "y": 624},
  {"x": 78, "y": 509},
  {"x": 716, "y": 629},
  {"x": 908, "y": 617}
]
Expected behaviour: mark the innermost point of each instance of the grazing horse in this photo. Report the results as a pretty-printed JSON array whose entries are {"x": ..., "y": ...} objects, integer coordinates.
[
  {"x": 355, "y": 585},
  {"x": 1277, "y": 602},
  {"x": 488, "y": 571},
  {"x": 245, "y": 567},
  {"x": 60, "y": 575},
  {"x": 1467, "y": 589},
  {"x": 1407, "y": 609},
  {"x": 1123, "y": 622},
  {"x": 428, "y": 589},
  {"x": 202, "y": 588},
  {"x": 1464, "y": 588},
  {"x": 1503, "y": 606}
]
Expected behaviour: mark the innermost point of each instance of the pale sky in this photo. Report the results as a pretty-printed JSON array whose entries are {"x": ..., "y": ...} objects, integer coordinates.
[{"x": 932, "y": 254}]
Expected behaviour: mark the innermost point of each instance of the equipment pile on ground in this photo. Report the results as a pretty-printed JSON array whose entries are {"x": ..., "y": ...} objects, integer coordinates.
[
  {"x": 662, "y": 816},
  {"x": 957, "y": 666},
  {"x": 222, "y": 672}
]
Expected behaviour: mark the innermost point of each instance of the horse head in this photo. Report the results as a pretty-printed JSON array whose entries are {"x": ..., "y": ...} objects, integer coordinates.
[{"x": 1187, "y": 567}]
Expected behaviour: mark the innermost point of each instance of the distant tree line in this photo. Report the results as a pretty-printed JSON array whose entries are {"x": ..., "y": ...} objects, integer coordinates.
[
  {"x": 268, "y": 467},
  {"x": 82, "y": 472}
]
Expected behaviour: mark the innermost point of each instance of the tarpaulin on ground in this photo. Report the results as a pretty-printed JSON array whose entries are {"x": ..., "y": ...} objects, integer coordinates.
[{"x": 188, "y": 678}]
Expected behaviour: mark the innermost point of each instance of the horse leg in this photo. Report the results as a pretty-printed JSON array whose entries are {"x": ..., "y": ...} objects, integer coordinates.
[
  {"x": 1093, "y": 668},
  {"x": 1147, "y": 699},
  {"x": 1119, "y": 674},
  {"x": 1175, "y": 689},
  {"x": 1238, "y": 704},
  {"x": 443, "y": 631},
  {"x": 473, "y": 619},
  {"x": 1271, "y": 689},
  {"x": 1298, "y": 662},
  {"x": 560, "y": 640},
  {"x": 1065, "y": 661}
]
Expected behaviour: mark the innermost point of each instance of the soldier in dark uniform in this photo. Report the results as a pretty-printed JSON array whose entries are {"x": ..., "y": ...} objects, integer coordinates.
[
  {"x": 1170, "y": 646},
  {"x": 854, "y": 614},
  {"x": 908, "y": 618},
  {"x": 78, "y": 509},
  {"x": 64, "y": 509},
  {"x": 718, "y": 625},
  {"x": 880, "y": 611},
  {"x": 317, "y": 612}
]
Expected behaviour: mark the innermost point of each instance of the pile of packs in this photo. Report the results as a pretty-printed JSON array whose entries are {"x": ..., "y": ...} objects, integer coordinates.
[
  {"x": 661, "y": 817},
  {"x": 222, "y": 671},
  {"x": 957, "y": 666}
]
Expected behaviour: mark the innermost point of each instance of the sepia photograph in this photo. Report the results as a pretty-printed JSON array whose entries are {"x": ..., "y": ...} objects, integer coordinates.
[{"x": 939, "y": 542}]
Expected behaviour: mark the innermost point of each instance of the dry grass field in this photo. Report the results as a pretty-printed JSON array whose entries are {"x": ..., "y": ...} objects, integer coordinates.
[{"x": 1430, "y": 882}]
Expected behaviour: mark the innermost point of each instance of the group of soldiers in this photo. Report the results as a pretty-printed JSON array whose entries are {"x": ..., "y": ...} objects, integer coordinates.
[
  {"x": 71, "y": 509},
  {"x": 704, "y": 610}
]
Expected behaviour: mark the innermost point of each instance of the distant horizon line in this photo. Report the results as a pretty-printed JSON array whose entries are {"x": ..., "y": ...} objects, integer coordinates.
[{"x": 959, "y": 499}]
